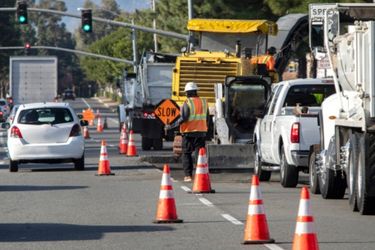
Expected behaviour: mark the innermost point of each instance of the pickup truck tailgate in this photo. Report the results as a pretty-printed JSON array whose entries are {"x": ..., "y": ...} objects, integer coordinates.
[{"x": 309, "y": 131}]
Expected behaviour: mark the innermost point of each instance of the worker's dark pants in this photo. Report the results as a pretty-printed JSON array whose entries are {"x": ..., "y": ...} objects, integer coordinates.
[{"x": 190, "y": 145}]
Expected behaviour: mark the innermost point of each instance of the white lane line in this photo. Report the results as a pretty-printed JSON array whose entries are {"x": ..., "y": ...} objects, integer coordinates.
[
  {"x": 232, "y": 219},
  {"x": 273, "y": 247},
  {"x": 185, "y": 188},
  {"x": 113, "y": 119},
  {"x": 206, "y": 202},
  {"x": 88, "y": 105}
]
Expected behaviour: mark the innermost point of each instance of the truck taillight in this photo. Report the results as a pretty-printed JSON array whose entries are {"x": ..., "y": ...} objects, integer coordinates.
[
  {"x": 76, "y": 131},
  {"x": 294, "y": 133},
  {"x": 15, "y": 132}
]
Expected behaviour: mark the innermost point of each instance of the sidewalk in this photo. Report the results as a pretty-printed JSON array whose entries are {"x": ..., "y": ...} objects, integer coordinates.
[{"x": 108, "y": 102}]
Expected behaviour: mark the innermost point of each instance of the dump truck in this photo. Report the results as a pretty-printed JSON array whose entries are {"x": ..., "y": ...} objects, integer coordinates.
[
  {"x": 224, "y": 49},
  {"x": 143, "y": 91},
  {"x": 344, "y": 158},
  {"x": 33, "y": 79}
]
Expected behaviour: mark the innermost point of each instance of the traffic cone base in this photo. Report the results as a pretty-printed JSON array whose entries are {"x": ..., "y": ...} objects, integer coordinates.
[
  {"x": 202, "y": 182},
  {"x": 166, "y": 210},
  {"x": 256, "y": 228}
]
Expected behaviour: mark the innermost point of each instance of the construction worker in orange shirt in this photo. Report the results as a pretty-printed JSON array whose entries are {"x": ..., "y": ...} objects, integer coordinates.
[{"x": 269, "y": 61}]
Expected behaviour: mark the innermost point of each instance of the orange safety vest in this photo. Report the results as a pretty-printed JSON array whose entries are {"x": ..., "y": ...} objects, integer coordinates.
[
  {"x": 197, "y": 121},
  {"x": 268, "y": 60}
]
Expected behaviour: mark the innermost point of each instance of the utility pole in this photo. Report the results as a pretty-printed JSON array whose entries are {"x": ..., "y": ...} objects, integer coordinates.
[
  {"x": 154, "y": 26},
  {"x": 190, "y": 9},
  {"x": 134, "y": 42}
]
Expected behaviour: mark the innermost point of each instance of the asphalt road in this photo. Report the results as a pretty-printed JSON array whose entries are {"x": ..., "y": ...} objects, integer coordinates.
[{"x": 54, "y": 207}]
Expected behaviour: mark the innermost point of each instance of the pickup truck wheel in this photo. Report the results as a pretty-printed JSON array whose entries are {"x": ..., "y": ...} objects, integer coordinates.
[
  {"x": 158, "y": 143},
  {"x": 262, "y": 174},
  {"x": 366, "y": 173},
  {"x": 13, "y": 166},
  {"x": 288, "y": 173},
  {"x": 314, "y": 182},
  {"x": 146, "y": 143},
  {"x": 351, "y": 173}
]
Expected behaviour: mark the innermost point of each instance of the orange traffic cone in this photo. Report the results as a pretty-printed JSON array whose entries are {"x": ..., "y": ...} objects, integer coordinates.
[
  {"x": 304, "y": 236},
  {"x": 104, "y": 166},
  {"x": 256, "y": 228},
  {"x": 132, "y": 150},
  {"x": 123, "y": 145},
  {"x": 166, "y": 212},
  {"x": 86, "y": 134},
  {"x": 99, "y": 127},
  {"x": 202, "y": 182}
]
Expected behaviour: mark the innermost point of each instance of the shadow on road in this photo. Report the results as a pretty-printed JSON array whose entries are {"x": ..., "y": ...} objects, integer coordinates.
[
  {"x": 19, "y": 188},
  {"x": 12, "y": 232}
]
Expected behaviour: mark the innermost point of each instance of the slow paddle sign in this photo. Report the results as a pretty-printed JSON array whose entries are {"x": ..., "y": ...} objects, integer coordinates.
[{"x": 167, "y": 111}]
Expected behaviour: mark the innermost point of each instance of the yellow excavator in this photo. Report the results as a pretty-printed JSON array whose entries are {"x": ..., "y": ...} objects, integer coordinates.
[{"x": 219, "y": 61}]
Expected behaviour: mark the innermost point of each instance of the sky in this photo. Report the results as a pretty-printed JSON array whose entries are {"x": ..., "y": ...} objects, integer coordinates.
[{"x": 128, "y": 5}]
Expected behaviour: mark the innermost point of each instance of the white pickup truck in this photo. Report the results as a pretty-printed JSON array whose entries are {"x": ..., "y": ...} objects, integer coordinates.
[{"x": 282, "y": 138}]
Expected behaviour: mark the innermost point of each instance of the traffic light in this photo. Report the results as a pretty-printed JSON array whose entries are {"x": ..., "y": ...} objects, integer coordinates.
[
  {"x": 86, "y": 17},
  {"x": 22, "y": 13},
  {"x": 27, "y": 48}
]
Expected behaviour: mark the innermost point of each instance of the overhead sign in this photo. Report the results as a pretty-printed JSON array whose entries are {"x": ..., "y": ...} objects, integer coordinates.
[
  {"x": 167, "y": 111},
  {"x": 88, "y": 115}
]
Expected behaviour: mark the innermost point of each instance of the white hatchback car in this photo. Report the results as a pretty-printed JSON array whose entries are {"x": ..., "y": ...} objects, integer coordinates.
[{"x": 45, "y": 133}]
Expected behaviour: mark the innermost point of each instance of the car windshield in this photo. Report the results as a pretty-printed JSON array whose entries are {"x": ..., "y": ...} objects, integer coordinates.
[{"x": 45, "y": 116}]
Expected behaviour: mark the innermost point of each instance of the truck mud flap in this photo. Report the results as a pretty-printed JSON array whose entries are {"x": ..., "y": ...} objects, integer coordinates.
[{"x": 230, "y": 156}]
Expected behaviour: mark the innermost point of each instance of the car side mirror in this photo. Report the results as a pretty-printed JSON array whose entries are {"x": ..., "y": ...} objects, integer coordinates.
[
  {"x": 80, "y": 116},
  {"x": 5, "y": 125},
  {"x": 84, "y": 122}
]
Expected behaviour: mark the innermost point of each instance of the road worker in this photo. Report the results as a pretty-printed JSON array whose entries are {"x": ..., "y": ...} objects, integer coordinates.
[{"x": 193, "y": 124}]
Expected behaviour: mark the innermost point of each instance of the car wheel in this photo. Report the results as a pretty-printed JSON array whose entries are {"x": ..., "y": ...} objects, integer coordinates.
[
  {"x": 262, "y": 174},
  {"x": 13, "y": 166},
  {"x": 79, "y": 164},
  {"x": 288, "y": 173}
]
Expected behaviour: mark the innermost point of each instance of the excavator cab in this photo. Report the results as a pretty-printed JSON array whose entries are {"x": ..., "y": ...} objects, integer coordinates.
[{"x": 245, "y": 99}]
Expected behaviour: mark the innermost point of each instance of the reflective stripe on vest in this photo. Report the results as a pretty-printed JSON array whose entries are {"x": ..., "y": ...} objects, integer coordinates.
[{"x": 197, "y": 121}]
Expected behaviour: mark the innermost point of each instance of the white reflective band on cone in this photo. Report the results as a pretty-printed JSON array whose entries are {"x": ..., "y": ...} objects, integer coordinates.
[
  {"x": 103, "y": 157},
  {"x": 201, "y": 170},
  {"x": 304, "y": 228},
  {"x": 165, "y": 180},
  {"x": 165, "y": 194},
  {"x": 255, "y": 209},
  {"x": 202, "y": 160},
  {"x": 255, "y": 193},
  {"x": 304, "y": 208}
]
